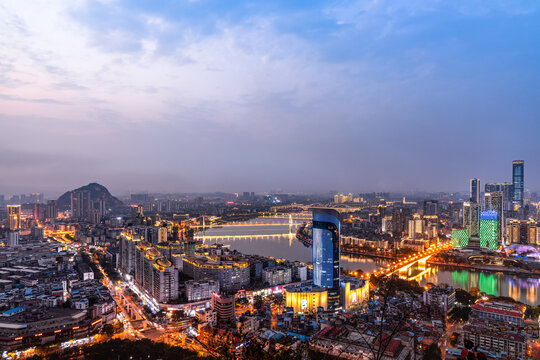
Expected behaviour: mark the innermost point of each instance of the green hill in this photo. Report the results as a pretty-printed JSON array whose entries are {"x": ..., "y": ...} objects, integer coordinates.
[{"x": 97, "y": 192}]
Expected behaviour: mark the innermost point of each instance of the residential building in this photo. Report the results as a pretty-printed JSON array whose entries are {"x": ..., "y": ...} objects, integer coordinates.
[
  {"x": 443, "y": 298},
  {"x": 224, "y": 306},
  {"x": 277, "y": 276},
  {"x": 14, "y": 217},
  {"x": 201, "y": 290},
  {"x": 500, "y": 311}
]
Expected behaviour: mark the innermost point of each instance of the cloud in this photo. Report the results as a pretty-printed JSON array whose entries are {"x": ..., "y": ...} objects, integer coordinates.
[
  {"x": 42, "y": 100},
  {"x": 261, "y": 93}
]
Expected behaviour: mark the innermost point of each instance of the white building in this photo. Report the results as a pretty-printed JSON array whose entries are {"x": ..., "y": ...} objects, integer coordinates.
[
  {"x": 13, "y": 238},
  {"x": 207, "y": 316},
  {"x": 386, "y": 226},
  {"x": 201, "y": 290},
  {"x": 442, "y": 297},
  {"x": 416, "y": 226},
  {"x": 277, "y": 276},
  {"x": 247, "y": 324}
]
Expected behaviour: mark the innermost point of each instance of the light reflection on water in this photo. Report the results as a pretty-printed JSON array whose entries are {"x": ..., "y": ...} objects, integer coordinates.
[
  {"x": 288, "y": 247},
  {"x": 283, "y": 247},
  {"x": 522, "y": 289}
]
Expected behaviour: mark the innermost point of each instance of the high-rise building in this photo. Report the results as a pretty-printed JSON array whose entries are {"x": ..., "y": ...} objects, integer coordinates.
[
  {"x": 201, "y": 290},
  {"x": 224, "y": 306},
  {"x": 508, "y": 193},
  {"x": 416, "y": 227},
  {"x": 518, "y": 181},
  {"x": 14, "y": 217},
  {"x": 471, "y": 218},
  {"x": 14, "y": 238},
  {"x": 399, "y": 220},
  {"x": 431, "y": 207},
  {"x": 523, "y": 232},
  {"x": 36, "y": 233},
  {"x": 494, "y": 201},
  {"x": 475, "y": 191},
  {"x": 326, "y": 240},
  {"x": 39, "y": 211},
  {"x": 51, "y": 212},
  {"x": 489, "y": 231},
  {"x": 460, "y": 238},
  {"x": 80, "y": 204},
  {"x": 162, "y": 234}
]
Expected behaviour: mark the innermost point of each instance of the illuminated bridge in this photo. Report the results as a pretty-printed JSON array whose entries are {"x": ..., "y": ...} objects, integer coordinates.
[
  {"x": 246, "y": 224},
  {"x": 233, "y": 237},
  {"x": 297, "y": 216},
  {"x": 414, "y": 266}
]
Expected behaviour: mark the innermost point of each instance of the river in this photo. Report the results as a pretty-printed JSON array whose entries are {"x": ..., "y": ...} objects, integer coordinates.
[{"x": 265, "y": 238}]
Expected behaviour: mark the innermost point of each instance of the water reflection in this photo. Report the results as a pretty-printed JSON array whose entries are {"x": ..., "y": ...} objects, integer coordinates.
[
  {"x": 268, "y": 241},
  {"x": 276, "y": 241},
  {"x": 498, "y": 284}
]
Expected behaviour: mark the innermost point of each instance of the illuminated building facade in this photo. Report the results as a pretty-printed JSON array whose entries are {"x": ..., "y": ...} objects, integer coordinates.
[
  {"x": 494, "y": 201},
  {"x": 223, "y": 305},
  {"x": 523, "y": 232},
  {"x": 471, "y": 217},
  {"x": 460, "y": 238},
  {"x": 164, "y": 281},
  {"x": 353, "y": 291},
  {"x": 326, "y": 232},
  {"x": 518, "y": 181},
  {"x": 506, "y": 188},
  {"x": 128, "y": 251},
  {"x": 489, "y": 229},
  {"x": 232, "y": 272},
  {"x": 150, "y": 270},
  {"x": 14, "y": 217},
  {"x": 306, "y": 298}
]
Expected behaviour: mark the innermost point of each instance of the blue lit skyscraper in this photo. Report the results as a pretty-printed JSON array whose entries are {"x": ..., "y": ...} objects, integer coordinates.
[
  {"x": 518, "y": 181},
  {"x": 326, "y": 231},
  {"x": 475, "y": 191}
]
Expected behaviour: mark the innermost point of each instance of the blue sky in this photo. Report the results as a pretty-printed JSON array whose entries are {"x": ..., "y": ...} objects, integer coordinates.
[{"x": 256, "y": 95}]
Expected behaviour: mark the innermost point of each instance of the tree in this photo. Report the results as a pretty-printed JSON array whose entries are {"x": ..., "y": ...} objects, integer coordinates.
[
  {"x": 108, "y": 329},
  {"x": 464, "y": 297},
  {"x": 433, "y": 352},
  {"x": 258, "y": 302}
]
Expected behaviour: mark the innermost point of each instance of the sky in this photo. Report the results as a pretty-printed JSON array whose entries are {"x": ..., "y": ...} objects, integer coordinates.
[{"x": 296, "y": 96}]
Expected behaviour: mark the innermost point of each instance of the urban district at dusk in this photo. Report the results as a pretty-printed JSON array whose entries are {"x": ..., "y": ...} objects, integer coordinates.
[{"x": 258, "y": 180}]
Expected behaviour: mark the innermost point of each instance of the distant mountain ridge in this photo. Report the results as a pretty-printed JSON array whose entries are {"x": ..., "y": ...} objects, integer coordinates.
[{"x": 97, "y": 192}]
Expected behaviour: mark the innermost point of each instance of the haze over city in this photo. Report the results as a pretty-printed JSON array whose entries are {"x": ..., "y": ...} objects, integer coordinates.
[{"x": 198, "y": 96}]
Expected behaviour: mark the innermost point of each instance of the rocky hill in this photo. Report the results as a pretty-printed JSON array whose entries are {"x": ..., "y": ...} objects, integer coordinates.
[{"x": 97, "y": 192}]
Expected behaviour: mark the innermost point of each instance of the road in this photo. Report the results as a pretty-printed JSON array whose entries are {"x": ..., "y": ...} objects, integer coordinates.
[{"x": 444, "y": 342}]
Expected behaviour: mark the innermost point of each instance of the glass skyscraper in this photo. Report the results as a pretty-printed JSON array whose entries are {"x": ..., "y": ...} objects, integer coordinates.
[
  {"x": 326, "y": 232},
  {"x": 475, "y": 191},
  {"x": 517, "y": 180}
]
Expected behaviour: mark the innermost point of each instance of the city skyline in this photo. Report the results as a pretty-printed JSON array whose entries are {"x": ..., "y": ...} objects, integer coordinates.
[
  {"x": 201, "y": 96},
  {"x": 476, "y": 187}
]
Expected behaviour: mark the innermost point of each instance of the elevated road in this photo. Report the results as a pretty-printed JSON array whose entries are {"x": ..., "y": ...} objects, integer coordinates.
[{"x": 401, "y": 266}]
